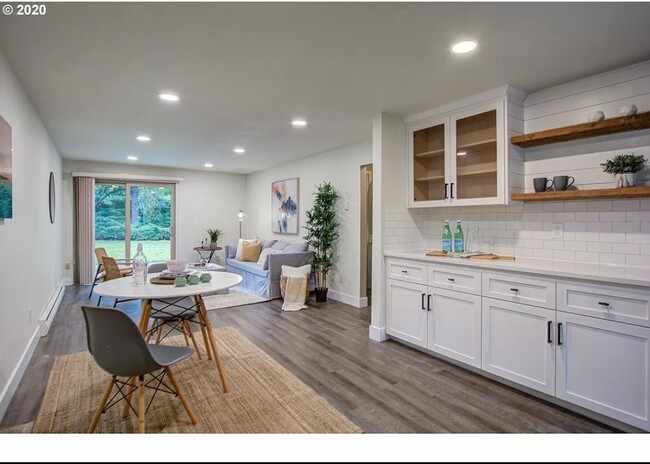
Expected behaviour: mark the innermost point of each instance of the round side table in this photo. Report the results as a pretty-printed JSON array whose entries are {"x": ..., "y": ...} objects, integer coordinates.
[{"x": 207, "y": 249}]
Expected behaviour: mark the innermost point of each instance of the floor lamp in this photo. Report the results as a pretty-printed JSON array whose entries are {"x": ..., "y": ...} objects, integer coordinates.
[{"x": 240, "y": 215}]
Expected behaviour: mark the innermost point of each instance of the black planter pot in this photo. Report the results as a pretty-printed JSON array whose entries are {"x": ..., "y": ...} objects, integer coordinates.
[{"x": 321, "y": 295}]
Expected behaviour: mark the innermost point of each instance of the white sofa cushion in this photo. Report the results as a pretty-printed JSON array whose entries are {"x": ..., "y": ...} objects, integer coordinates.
[
  {"x": 264, "y": 257},
  {"x": 240, "y": 246}
]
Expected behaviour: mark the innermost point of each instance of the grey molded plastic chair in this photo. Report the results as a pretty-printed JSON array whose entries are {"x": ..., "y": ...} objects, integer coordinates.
[
  {"x": 172, "y": 314},
  {"x": 119, "y": 348}
]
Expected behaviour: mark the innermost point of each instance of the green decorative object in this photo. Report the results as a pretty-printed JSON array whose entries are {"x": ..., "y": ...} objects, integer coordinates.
[
  {"x": 206, "y": 277},
  {"x": 624, "y": 167},
  {"x": 193, "y": 279},
  {"x": 180, "y": 282},
  {"x": 214, "y": 234},
  {"x": 322, "y": 234}
]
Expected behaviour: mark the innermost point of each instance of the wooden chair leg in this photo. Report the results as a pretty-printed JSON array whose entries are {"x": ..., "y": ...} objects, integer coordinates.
[
  {"x": 188, "y": 327},
  {"x": 206, "y": 340},
  {"x": 154, "y": 328},
  {"x": 127, "y": 400},
  {"x": 141, "y": 407},
  {"x": 181, "y": 396},
  {"x": 102, "y": 405},
  {"x": 161, "y": 325},
  {"x": 183, "y": 327},
  {"x": 203, "y": 313}
]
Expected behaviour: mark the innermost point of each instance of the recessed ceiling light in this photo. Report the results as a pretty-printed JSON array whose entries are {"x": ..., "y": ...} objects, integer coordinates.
[
  {"x": 143, "y": 138},
  {"x": 132, "y": 158},
  {"x": 208, "y": 165},
  {"x": 168, "y": 97},
  {"x": 461, "y": 153},
  {"x": 239, "y": 150},
  {"x": 464, "y": 47},
  {"x": 299, "y": 122}
]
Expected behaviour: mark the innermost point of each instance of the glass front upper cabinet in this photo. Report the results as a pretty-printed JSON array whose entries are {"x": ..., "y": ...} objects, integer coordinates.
[{"x": 429, "y": 164}]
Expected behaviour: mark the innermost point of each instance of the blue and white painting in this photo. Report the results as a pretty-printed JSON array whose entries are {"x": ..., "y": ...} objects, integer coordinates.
[
  {"x": 6, "y": 203},
  {"x": 284, "y": 206}
]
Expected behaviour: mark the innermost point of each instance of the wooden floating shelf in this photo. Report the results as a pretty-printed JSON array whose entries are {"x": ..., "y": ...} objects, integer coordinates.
[
  {"x": 428, "y": 154},
  {"x": 611, "y": 193},
  {"x": 580, "y": 131}
]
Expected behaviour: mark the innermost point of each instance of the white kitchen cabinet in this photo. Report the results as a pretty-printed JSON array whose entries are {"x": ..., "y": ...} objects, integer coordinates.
[
  {"x": 406, "y": 316},
  {"x": 454, "y": 325},
  {"x": 604, "y": 366},
  {"x": 518, "y": 343}
]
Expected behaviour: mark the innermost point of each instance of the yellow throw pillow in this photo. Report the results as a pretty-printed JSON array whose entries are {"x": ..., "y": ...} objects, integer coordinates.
[{"x": 250, "y": 251}]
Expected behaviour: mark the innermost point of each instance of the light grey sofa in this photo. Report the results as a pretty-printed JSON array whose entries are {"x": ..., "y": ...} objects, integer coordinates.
[{"x": 264, "y": 280}]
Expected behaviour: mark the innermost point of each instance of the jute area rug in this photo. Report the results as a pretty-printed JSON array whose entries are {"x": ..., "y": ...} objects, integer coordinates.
[
  {"x": 264, "y": 397},
  {"x": 236, "y": 296}
]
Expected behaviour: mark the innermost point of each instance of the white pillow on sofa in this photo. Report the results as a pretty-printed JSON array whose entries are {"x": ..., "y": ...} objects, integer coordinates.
[
  {"x": 264, "y": 257},
  {"x": 240, "y": 245}
]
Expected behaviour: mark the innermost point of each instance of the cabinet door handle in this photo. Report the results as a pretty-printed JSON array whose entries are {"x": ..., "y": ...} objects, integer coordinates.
[
  {"x": 452, "y": 190},
  {"x": 405, "y": 271},
  {"x": 549, "y": 331},
  {"x": 603, "y": 303},
  {"x": 428, "y": 302},
  {"x": 514, "y": 290},
  {"x": 423, "y": 302},
  {"x": 446, "y": 194},
  {"x": 451, "y": 280},
  {"x": 559, "y": 334}
]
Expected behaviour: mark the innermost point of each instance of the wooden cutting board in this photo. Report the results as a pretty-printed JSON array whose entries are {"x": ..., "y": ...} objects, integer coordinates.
[{"x": 440, "y": 254}]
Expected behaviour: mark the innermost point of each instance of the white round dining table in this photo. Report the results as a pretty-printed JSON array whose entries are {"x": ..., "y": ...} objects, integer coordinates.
[{"x": 125, "y": 288}]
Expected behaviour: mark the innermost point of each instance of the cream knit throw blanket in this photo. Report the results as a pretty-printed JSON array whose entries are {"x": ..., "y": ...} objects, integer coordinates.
[{"x": 296, "y": 288}]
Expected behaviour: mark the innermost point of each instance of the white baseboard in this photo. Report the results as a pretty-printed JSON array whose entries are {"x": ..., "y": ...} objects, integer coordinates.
[
  {"x": 68, "y": 281},
  {"x": 17, "y": 375},
  {"x": 52, "y": 306},
  {"x": 348, "y": 299},
  {"x": 377, "y": 334}
]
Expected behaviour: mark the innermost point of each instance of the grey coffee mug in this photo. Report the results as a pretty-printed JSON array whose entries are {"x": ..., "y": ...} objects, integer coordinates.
[
  {"x": 540, "y": 184},
  {"x": 562, "y": 182}
]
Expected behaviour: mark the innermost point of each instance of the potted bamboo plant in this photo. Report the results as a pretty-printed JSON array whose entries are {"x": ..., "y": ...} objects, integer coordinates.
[
  {"x": 624, "y": 167},
  {"x": 322, "y": 234}
]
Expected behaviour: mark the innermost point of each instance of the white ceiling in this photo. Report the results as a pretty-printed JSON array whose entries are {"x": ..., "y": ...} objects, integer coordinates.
[{"x": 245, "y": 70}]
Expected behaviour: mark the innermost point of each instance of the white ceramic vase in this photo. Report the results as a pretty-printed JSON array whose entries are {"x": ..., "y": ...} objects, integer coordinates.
[{"x": 625, "y": 180}]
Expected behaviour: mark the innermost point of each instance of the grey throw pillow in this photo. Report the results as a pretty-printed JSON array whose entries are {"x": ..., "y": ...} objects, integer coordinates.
[
  {"x": 279, "y": 245},
  {"x": 232, "y": 251},
  {"x": 268, "y": 244},
  {"x": 296, "y": 247}
]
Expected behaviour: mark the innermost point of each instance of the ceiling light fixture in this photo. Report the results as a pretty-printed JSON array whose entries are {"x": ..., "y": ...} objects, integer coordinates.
[
  {"x": 239, "y": 150},
  {"x": 132, "y": 158},
  {"x": 461, "y": 153},
  {"x": 143, "y": 138},
  {"x": 299, "y": 122},
  {"x": 168, "y": 97},
  {"x": 208, "y": 165},
  {"x": 464, "y": 47}
]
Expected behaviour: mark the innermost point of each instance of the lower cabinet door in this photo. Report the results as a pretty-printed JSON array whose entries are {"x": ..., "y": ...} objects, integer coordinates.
[
  {"x": 518, "y": 343},
  {"x": 604, "y": 366},
  {"x": 455, "y": 325},
  {"x": 406, "y": 311}
]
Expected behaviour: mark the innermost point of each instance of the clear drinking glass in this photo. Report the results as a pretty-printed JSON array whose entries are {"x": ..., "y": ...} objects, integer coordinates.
[{"x": 473, "y": 240}]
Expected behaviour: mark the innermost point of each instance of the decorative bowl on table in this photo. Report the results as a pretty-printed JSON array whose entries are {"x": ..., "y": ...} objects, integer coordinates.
[{"x": 176, "y": 266}]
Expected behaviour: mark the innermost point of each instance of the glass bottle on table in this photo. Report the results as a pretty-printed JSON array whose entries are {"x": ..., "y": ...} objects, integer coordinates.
[
  {"x": 446, "y": 238},
  {"x": 459, "y": 239},
  {"x": 140, "y": 267}
]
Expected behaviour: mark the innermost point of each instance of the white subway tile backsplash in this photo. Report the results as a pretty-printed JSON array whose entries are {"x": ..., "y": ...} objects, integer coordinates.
[{"x": 608, "y": 231}]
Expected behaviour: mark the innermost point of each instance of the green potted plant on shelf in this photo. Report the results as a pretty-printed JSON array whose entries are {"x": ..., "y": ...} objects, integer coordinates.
[
  {"x": 214, "y": 236},
  {"x": 624, "y": 167},
  {"x": 322, "y": 234}
]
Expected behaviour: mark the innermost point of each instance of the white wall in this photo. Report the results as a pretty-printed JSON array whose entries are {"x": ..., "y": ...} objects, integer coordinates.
[
  {"x": 341, "y": 167},
  {"x": 30, "y": 246},
  {"x": 204, "y": 199}
]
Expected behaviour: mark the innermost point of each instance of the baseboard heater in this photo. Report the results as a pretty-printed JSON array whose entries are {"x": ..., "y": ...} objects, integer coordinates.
[{"x": 47, "y": 316}]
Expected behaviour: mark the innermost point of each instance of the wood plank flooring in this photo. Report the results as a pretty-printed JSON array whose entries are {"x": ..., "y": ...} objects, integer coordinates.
[{"x": 382, "y": 387}]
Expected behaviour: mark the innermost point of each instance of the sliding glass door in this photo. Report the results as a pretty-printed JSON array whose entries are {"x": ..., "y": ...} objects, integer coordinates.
[{"x": 130, "y": 213}]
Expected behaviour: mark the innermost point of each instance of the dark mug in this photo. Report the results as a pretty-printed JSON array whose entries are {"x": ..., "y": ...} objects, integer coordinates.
[
  {"x": 562, "y": 182},
  {"x": 540, "y": 184}
]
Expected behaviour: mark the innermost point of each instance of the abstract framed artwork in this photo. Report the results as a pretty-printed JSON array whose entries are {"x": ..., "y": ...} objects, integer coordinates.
[
  {"x": 284, "y": 206},
  {"x": 6, "y": 203}
]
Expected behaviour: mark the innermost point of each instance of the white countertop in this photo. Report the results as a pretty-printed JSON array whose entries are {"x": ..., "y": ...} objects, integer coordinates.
[{"x": 611, "y": 273}]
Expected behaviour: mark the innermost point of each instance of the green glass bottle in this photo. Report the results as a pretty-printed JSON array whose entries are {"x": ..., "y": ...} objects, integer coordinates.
[
  {"x": 446, "y": 238},
  {"x": 459, "y": 239}
]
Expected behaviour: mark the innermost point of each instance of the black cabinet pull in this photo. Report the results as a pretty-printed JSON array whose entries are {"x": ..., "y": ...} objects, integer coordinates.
[
  {"x": 514, "y": 289},
  {"x": 446, "y": 195},
  {"x": 451, "y": 280},
  {"x": 423, "y": 301},
  {"x": 452, "y": 190},
  {"x": 603, "y": 303},
  {"x": 404, "y": 271},
  {"x": 559, "y": 334},
  {"x": 428, "y": 302},
  {"x": 549, "y": 330}
]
